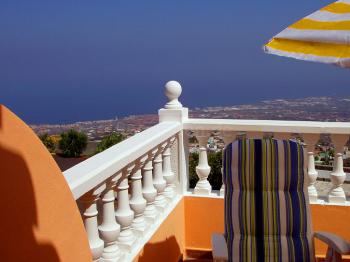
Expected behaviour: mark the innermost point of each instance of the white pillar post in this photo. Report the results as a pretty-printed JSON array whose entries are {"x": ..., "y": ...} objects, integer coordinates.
[
  {"x": 228, "y": 137},
  {"x": 158, "y": 181},
  {"x": 124, "y": 214},
  {"x": 168, "y": 174},
  {"x": 337, "y": 194},
  {"x": 203, "y": 186},
  {"x": 137, "y": 202},
  {"x": 174, "y": 111},
  {"x": 90, "y": 213},
  {"x": 148, "y": 190},
  {"x": 109, "y": 228},
  {"x": 311, "y": 140}
]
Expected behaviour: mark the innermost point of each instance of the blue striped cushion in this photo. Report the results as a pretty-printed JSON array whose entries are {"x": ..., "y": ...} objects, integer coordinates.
[{"x": 266, "y": 204}]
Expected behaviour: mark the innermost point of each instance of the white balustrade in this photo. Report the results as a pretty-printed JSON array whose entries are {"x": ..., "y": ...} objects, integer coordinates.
[
  {"x": 109, "y": 228},
  {"x": 203, "y": 186},
  {"x": 311, "y": 140},
  {"x": 124, "y": 214},
  {"x": 89, "y": 204},
  {"x": 146, "y": 160},
  {"x": 158, "y": 181},
  {"x": 137, "y": 202},
  {"x": 168, "y": 174},
  {"x": 337, "y": 194},
  {"x": 148, "y": 190}
]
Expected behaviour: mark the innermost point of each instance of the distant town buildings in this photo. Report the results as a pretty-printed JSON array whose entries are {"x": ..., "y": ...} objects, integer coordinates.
[{"x": 311, "y": 109}]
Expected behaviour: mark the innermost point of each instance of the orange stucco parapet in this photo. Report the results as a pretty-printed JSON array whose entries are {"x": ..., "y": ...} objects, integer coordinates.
[
  {"x": 40, "y": 220},
  {"x": 204, "y": 216}
]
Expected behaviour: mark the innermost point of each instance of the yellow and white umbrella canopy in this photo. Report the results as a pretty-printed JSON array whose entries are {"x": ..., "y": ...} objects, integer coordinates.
[{"x": 323, "y": 36}]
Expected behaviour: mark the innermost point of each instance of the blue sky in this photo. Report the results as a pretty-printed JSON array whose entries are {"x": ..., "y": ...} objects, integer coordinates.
[{"x": 64, "y": 61}]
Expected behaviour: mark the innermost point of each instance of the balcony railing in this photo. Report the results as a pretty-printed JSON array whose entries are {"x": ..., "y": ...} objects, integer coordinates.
[{"x": 127, "y": 191}]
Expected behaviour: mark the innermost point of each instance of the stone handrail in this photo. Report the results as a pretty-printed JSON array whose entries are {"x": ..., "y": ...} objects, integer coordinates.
[
  {"x": 88, "y": 174},
  {"x": 125, "y": 192},
  {"x": 301, "y": 127}
]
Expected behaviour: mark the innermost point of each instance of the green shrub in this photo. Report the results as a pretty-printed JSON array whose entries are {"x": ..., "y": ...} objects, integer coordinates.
[
  {"x": 48, "y": 141},
  {"x": 214, "y": 161},
  {"x": 109, "y": 141},
  {"x": 215, "y": 176},
  {"x": 192, "y": 163},
  {"x": 72, "y": 143}
]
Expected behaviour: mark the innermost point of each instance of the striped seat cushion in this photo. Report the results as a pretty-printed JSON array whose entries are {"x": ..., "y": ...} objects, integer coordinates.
[{"x": 266, "y": 204}]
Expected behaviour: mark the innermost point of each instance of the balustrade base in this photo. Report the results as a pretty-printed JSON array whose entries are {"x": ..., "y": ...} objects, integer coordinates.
[
  {"x": 112, "y": 257},
  {"x": 126, "y": 240},
  {"x": 118, "y": 259},
  {"x": 139, "y": 232},
  {"x": 138, "y": 227},
  {"x": 336, "y": 199},
  {"x": 313, "y": 199},
  {"x": 169, "y": 193},
  {"x": 150, "y": 214},
  {"x": 222, "y": 192},
  {"x": 202, "y": 191},
  {"x": 97, "y": 249},
  {"x": 128, "y": 246},
  {"x": 160, "y": 203},
  {"x": 160, "y": 210},
  {"x": 152, "y": 219}
]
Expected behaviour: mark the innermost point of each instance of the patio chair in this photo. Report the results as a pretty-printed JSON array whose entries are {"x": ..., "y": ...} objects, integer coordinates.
[{"x": 267, "y": 214}]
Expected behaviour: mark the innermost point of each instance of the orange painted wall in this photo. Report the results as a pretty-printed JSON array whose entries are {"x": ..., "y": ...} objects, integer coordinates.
[
  {"x": 39, "y": 217},
  {"x": 334, "y": 219},
  {"x": 204, "y": 216},
  {"x": 167, "y": 244}
]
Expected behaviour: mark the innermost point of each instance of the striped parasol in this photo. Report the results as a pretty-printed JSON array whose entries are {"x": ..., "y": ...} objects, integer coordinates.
[{"x": 323, "y": 36}]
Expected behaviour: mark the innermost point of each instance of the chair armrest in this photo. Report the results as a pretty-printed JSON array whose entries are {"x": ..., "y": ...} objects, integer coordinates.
[
  {"x": 219, "y": 246},
  {"x": 337, "y": 243}
]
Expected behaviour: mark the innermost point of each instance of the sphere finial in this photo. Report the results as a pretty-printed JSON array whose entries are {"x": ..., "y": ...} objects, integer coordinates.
[{"x": 173, "y": 91}]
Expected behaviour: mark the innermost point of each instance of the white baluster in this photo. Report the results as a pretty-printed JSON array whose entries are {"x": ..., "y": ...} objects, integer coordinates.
[
  {"x": 203, "y": 186},
  {"x": 124, "y": 214},
  {"x": 336, "y": 194},
  {"x": 168, "y": 174},
  {"x": 148, "y": 190},
  {"x": 158, "y": 180},
  {"x": 109, "y": 229},
  {"x": 311, "y": 140},
  {"x": 228, "y": 137},
  {"x": 90, "y": 221},
  {"x": 137, "y": 202}
]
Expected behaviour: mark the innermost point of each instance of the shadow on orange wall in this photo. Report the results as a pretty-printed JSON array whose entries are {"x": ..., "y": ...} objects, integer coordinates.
[
  {"x": 38, "y": 210},
  {"x": 168, "y": 243},
  {"x": 17, "y": 194},
  {"x": 169, "y": 248}
]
